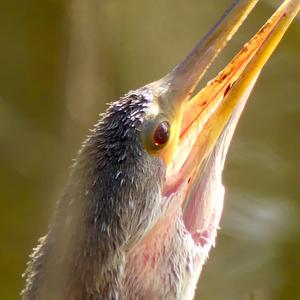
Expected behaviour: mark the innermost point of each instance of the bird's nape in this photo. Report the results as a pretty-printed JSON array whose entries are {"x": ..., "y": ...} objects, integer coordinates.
[{"x": 143, "y": 203}]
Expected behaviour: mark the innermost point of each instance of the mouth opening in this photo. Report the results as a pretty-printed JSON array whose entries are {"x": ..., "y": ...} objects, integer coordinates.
[{"x": 208, "y": 123}]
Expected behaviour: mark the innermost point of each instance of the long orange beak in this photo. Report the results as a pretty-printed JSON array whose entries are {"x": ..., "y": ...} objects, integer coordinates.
[{"x": 205, "y": 116}]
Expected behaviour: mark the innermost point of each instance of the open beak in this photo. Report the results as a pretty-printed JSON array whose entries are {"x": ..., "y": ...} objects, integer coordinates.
[{"x": 208, "y": 119}]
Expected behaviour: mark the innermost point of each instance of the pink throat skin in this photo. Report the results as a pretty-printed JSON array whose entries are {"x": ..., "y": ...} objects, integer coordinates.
[
  {"x": 170, "y": 253},
  {"x": 183, "y": 238}
]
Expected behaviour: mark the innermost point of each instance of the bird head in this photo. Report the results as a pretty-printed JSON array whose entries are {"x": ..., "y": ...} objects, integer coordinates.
[{"x": 147, "y": 183}]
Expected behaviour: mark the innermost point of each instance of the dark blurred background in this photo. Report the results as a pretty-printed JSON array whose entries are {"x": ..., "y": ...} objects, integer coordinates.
[{"x": 61, "y": 61}]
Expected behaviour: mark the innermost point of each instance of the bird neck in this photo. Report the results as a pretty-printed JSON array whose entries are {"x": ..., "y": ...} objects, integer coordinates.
[{"x": 109, "y": 203}]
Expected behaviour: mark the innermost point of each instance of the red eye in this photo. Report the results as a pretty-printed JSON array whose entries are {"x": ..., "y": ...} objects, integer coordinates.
[{"x": 161, "y": 133}]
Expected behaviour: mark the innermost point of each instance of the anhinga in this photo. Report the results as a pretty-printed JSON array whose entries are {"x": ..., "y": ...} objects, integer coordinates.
[{"x": 143, "y": 203}]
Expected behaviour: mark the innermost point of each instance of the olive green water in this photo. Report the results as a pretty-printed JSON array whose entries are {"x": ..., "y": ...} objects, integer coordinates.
[{"x": 61, "y": 61}]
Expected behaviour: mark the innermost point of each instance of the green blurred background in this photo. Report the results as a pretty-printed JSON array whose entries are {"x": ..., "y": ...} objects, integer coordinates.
[{"x": 61, "y": 61}]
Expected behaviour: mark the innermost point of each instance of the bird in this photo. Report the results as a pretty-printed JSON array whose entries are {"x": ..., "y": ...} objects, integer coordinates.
[{"x": 142, "y": 205}]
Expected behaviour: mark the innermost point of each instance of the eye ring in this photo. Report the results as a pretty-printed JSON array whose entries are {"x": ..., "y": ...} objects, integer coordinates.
[
  {"x": 161, "y": 134},
  {"x": 156, "y": 133}
]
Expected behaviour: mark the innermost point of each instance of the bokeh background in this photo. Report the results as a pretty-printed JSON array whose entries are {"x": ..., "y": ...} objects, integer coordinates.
[{"x": 61, "y": 61}]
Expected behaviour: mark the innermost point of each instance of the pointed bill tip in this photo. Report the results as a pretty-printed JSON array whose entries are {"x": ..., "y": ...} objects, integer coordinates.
[{"x": 182, "y": 80}]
